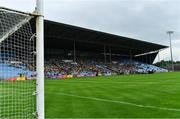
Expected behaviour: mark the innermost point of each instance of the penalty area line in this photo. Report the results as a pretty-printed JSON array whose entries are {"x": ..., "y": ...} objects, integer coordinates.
[{"x": 120, "y": 102}]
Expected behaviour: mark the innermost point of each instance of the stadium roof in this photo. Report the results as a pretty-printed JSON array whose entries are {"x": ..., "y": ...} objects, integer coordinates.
[{"x": 59, "y": 35}]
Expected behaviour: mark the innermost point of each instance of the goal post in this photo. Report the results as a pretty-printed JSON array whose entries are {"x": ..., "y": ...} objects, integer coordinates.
[
  {"x": 40, "y": 59},
  {"x": 22, "y": 63}
]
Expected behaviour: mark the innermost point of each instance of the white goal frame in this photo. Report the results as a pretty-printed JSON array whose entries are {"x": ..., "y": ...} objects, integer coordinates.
[
  {"x": 40, "y": 111},
  {"x": 40, "y": 59}
]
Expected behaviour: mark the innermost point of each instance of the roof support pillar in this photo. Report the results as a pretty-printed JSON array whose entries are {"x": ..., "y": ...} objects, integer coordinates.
[
  {"x": 74, "y": 50},
  {"x": 110, "y": 55},
  {"x": 142, "y": 58},
  {"x": 150, "y": 59},
  {"x": 130, "y": 53},
  {"x": 104, "y": 54},
  {"x": 147, "y": 59}
]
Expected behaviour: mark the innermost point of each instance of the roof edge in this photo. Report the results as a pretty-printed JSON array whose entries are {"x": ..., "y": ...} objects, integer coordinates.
[{"x": 106, "y": 33}]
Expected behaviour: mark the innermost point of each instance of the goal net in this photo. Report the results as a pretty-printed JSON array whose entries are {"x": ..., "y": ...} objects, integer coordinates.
[{"x": 17, "y": 65}]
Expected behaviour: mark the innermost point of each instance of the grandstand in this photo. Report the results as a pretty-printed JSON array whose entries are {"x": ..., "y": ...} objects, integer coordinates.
[{"x": 72, "y": 51}]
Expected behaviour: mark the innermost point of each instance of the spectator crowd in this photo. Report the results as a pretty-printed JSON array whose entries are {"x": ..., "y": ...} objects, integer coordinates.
[{"x": 59, "y": 68}]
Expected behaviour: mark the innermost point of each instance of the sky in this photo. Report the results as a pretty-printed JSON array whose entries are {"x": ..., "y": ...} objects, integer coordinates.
[{"x": 146, "y": 20}]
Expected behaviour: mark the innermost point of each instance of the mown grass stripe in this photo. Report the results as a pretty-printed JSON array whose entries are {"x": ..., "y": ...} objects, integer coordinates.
[{"x": 119, "y": 102}]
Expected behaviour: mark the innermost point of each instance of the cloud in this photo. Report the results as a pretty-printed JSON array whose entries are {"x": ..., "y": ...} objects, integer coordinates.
[
  {"x": 23, "y": 5},
  {"x": 146, "y": 20}
]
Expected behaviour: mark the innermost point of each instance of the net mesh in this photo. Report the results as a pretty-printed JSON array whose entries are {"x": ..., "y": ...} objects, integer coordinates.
[{"x": 17, "y": 66}]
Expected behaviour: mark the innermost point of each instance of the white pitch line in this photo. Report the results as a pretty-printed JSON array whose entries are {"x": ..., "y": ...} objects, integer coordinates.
[
  {"x": 122, "y": 82},
  {"x": 120, "y": 102}
]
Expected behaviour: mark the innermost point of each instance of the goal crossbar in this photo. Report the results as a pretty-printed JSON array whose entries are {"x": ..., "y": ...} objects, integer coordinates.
[
  {"x": 18, "y": 11},
  {"x": 15, "y": 28}
]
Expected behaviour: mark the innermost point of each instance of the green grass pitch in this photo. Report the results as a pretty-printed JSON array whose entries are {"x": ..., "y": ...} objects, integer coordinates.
[
  {"x": 128, "y": 96},
  {"x": 16, "y": 99},
  {"x": 133, "y": 96}
]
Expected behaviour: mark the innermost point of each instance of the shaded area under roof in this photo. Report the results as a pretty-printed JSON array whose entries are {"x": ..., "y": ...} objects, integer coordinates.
[
  {"x": 62, "y": 36},
  {"x": 59, "y": 35}
]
